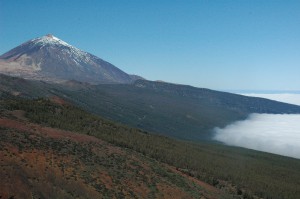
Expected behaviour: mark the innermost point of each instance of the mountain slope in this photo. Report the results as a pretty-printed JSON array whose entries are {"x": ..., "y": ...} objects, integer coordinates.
[
  {"x": 178, "y": 111},
  {"x": 47, "y": 153},
  {"x": 45, "y": 162},
  {"x": 51, "y": 59}
]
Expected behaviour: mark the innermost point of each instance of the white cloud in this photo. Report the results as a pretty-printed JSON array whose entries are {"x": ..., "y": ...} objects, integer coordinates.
[
  {"x": 283, "y": 97},
  {"x": 274, "y": 133}
]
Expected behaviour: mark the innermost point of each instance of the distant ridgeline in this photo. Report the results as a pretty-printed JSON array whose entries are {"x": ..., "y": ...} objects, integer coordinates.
[{"x": 178, "y": 111}]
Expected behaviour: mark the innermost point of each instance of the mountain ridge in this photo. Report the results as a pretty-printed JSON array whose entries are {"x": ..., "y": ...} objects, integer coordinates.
[
  {"x": 183, "y": 112},
  {"x": 51, "y": 59}
]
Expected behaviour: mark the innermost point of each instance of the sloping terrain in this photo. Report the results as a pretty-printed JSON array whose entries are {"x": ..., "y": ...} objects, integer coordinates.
[
  {"x": 178, "y": 111},
  {"x": 43, "y": 162},
  {"x": 48, "y": 58},
  {"x": 235, "y": 172}
]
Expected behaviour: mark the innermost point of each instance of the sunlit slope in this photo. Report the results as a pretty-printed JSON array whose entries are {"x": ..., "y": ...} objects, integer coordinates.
[
  {"x": 43, "y": 162},
  {"x": 28, "y": 126}
]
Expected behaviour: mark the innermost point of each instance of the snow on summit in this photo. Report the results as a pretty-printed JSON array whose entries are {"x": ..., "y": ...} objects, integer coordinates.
[
  {"x": 49, "y": 58},
  {"x": 50, "y": 39}
]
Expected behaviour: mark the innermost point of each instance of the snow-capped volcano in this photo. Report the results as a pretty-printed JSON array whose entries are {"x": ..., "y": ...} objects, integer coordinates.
[
  {"x": 49, "y": 39},
  {"x": 49, "y": 58}
]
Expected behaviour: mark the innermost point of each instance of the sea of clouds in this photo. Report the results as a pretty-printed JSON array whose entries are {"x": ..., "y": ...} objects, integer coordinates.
[{"x": 274, "y": 133}]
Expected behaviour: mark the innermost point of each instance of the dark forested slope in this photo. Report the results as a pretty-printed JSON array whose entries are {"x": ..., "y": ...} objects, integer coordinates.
[{"x": 178, "y": 111}]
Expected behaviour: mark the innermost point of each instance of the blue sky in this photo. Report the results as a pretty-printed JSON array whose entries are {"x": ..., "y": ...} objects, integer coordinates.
[{"x": 239, "y": 44}]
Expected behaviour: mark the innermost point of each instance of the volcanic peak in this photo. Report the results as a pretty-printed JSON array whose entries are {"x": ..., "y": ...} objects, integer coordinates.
[
  {"x": 50, "y": 39},
  {"x": 58, "y": 61}
]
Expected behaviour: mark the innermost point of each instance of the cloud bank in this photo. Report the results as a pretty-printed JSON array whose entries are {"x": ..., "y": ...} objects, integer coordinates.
[
  {"x": 283, "y": 97},
  {"x": 274, "y": 133}
]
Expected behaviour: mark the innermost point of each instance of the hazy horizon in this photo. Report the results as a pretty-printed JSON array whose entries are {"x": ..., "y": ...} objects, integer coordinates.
[{"x": 291, "y": 98}]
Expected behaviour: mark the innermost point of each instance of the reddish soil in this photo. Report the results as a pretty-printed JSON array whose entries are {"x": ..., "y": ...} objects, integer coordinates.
[
  {"x": 43, "y": 167},
  {"x": 58, "y": 100},
  {"x": 50, "y": 132},
  {"x": 168, "y": 191},
  {"x": 201, "y": 183}
]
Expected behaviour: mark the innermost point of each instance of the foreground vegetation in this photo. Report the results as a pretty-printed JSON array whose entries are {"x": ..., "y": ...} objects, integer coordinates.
[
  {"x": 40, "y": 164},
  {"x": 241, "y": 172}
]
